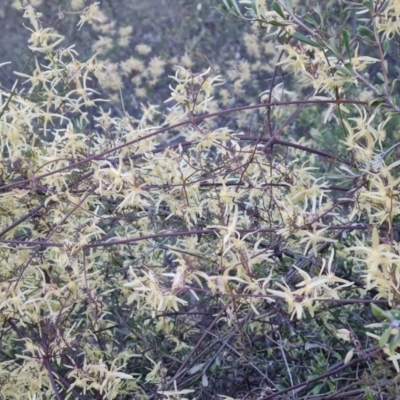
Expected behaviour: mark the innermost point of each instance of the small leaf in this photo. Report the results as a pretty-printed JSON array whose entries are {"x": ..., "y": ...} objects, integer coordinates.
[
  {"x": 385, "y": 337},
  {"x": 222, "y": 9},
  {"x": 289, "y": 7},
  {"x": 346, "y": 41},
  {"x": 396, "y": 314},
  {"x": 370, "y": 5},
  {"x": 379, "y": 89},
  {"x": 230, "y": 7},
  {"x": 343, "y": 334},
  {"x": 332, "y": 46},
  {"x": 343, "y": 70},
  {"x": 382, "y": 8},
  {"x": 279, "y": 23},
  {"x": 380, "y": 76},
  {"x": 318, "y": 388},
  {"x": 309, "y": 346},
  {"x": 122, "y": 375},
  {"x": 196, "y": 368},
  {"x": 235, "y": 5},
  {"x": 368, "y": 394},
  {"x": 278, "y": 9},
  {"x": 317, "y": 9},
  {"x": 385, "y": 46},
  {"x": 393, "y": 85},
  {"x": 364, "y": 31},
  {"x": 394, "y": 342},
  {"x": 368, "y": 41},
  {"x": 204, "y": 380},
  {"x": 349, "y": 356},
  {"x": 376, "y": 102},
  {"x": 307, "y": 17},
  {"x": 306, "y": 40},
  {"x": 254, "y": 7},
  {"x": 213, "y": 367},
  {"x": 379, "y": 313},
  {"x": 349, "y": 68}
]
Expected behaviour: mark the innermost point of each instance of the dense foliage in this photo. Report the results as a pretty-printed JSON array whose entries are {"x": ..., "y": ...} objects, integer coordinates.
[{"x": 201, "y": 225}]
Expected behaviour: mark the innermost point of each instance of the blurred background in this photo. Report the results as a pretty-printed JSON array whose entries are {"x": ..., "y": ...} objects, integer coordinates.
[
  {"x": 140, "y": 44},
  {"x": 143, "y": 41}
]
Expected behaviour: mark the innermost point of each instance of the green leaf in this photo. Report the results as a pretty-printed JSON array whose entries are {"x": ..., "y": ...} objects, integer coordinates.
[
  {"x": 254, "y": 7},
  {"x": 393, "y": 85},
  {"x": 262, "y": 13},
  {"x": 213, "y": 367},
  {"x": 349, "y": 68},
  {"x": 383, "y": 7},
  {"x": 222, "y": 9},
  {"x": 235, "y": 5},
  {"x": 385, "y": 46},
  {"x": 379, "y": 313},
  {"x": 280, "y": 23},
  {"x": 204, "y": 380},
  {"x": 317, "y": 9},
  {"x": 289, "y": 6},
  {"x": 385, "y": 337},
  {"x": 368, "y": 394},
  {"x": 346, "y": 41},
  {"x": 318, "y": 388},
  {"x": 278, "y": 9},
  {"x": 333, "y": 47},
  {"x": 307, "y": 17},
  {"x": 343, "y": 70},
  {"x": 376, "y": 102},
  {"x": 396, "y": 314},
  {"x": 379, "y": 89},
  {"x": 380, "y": 76},
  {"x": 230, "y": 7},
  {"x": 364, "y": 31},
  {"x": 196, "y": 368},
  {"x": 306, "y": 40},
  {"x": 394, "y": 341},
  {"x": 368, "y": 41},
  {"x": 370, "y": 5}
]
